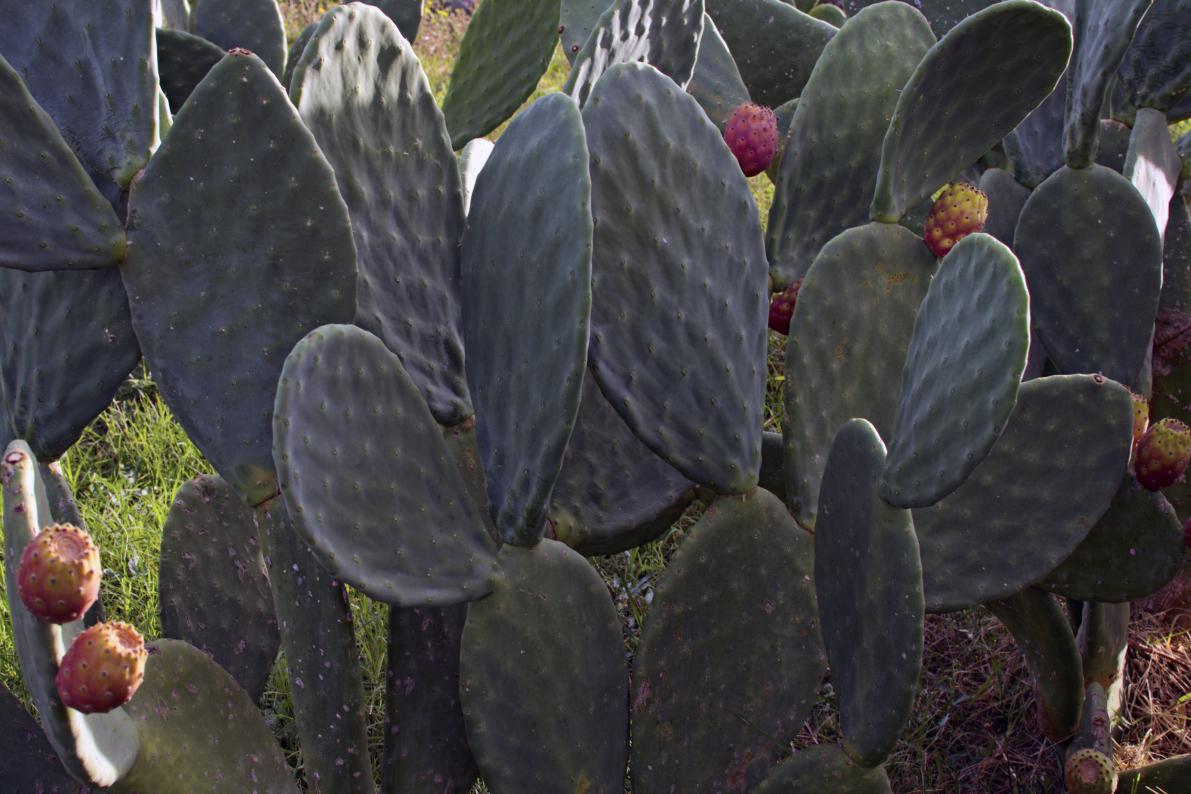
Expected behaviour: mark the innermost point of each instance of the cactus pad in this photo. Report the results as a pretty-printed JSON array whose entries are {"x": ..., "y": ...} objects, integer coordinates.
[
  {"x": 577, "y": 19},
  {"x": 824, "y": 768},
  {"x": 848, "y": 343},
  {"x": 54, "y": 217},
  {"x": 319, "y": 646},
  {"x": 715, "y": 83},
  {"x": 212, "y": 586},
  {"x": 663, "y": 33},
  {"x": 613, "y": 493},
  {"x": 1006, "y": 197},
  {"x": 678, "y": 321},
  {"x": 1169, "y": 775},
  {"x": 962, "y": 372},
  {"x": 1133, "y": 550},
  {"x": 1156, "y": 70},
  {"x": 828, "y": 169},
  {"x": 97, "y": 748},
  {"x": 197, "y": 725},
  {"x": 504, "y": 54},
  {"x": 868, "y": 579},
  {"x": 1094, "y": 286},
  {"x": 775, "y": 45},
  {"x": 359, "y": 80},
  {"x": 527, "y": 306},
  {"x": 29, "y": 762},
  {"x": 90, "y": 66},
  {"x": 959, "y": 87},
  {"x": 406, "y": 15},
  {"x": 1103, "y": 30},
  {"x": 66, "y": 345},
  {"x": 1040, "y": 628},
  {"x": 254, "y": 25},
  {"x": 284, "y": 264},
  {"x": 426, "y": 748},
  {"x": 472, "y": 159},
  {"x": 722, "y": 683},
  {"x": 1152, "y": 164},
  {"x": 976, "y": 546},
  {"x": 420, "y": 544},
  {"x": 184, "y": 60},
  {"x": 542, "y": 676}
]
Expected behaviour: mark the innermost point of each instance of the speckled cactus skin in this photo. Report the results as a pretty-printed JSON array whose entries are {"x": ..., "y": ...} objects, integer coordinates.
[{"x": 426, "y": 376}]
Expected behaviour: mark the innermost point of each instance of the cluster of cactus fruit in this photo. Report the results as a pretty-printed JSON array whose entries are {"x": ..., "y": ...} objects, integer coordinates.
[{"x": 442, "y": 379}]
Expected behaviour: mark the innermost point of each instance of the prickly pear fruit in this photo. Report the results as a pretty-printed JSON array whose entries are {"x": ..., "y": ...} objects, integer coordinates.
[
  {"x": 960, "y": 210},
  {"x": 58, "y": 577},
  {"x": 751, "y": 134},
  {"x": 103, "y": 668},
  {"x": 1089, "y": 771},
  {"x": 1141, "y": 417},
  {"x": 781, "y": 308},
  {"x": 1162, "y": 454}
]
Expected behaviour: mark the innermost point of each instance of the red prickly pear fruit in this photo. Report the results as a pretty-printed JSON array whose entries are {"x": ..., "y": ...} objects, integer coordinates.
[
  {"x": 751, "y": 134},
  {"x": 960, "y": 210},
  {"x": 1162, "y": 454},
  {"x": 1089, "y": 771},
  {"x": 1141, "y": 416},
  {"x": 58, "y": 576},
  {"x": 103, "y": 668},
  {"x": 781, "y": 308}
]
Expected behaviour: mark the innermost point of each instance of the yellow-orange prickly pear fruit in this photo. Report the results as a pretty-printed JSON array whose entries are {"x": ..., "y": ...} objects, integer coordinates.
[
  {"x": 960, "y": 210},
  {"x": 58, "y": 576},
  {"x": 1141, "y": 416},
  {"x": 1162, "y": 454},
  {"x": 103, "y": 668}
]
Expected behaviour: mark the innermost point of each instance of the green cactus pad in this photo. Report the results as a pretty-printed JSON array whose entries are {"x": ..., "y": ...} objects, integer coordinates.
[
  {"x": 613, "y": 493},
  {"x": 577, "y": 19},
  {"x": 212, "y": 587},
  {"x": 359, "y": 80},
  {"x": 505, "y": 52},
  {"x": 54, "y": 217},
  {"x": 975, "y": 544},
  {"x": 1035, "y": 147},
  {"x": 472, "y": 159},
  {"x": 959, "y": 88},
  {"x": 1040, "y": 628},
  {"x": 829, "y": 13},
  {"x": 868, "y": 580},
  {"x": 426, "y": 748},
  {"x": 28, "y": 762},
  {"x": 175, "y": 14},
  {"x": 1133, "y": 550},
  {"x": 1156, "y": 70},
  {"x": 349, "y": 425},
  {"x": 707, "y": 717},
  {"x": 1103, "y": 30},
  {"x": 962, "y": 372},
  {"x": 283, "y": 264},
  {"x": 828, "y": 169},
  {"x": 1114, "y": 145},
  {"x": 96, "y": 749},
  {"x": 1103, "y": 641},
  {"x": 678, "y": 322},
  {"x": 90, "y": 66},
  {"x": 662, "y": 33},
  {"x": 1176, "y": 258},
  {"x": 1006, "y": 198},
  {"x": 526, "y": 307},
  {"x": 943, "y": 14},
  {"x": 1173, "y": 774},
  {"x": 715, "y": 83},
  {"x": 542, "y": 676},
  {"x": 1152, "y": 164},
  {"x": 1094, "y": 286},
  {"x": 295, "y": 53},
  {"x": 825, "y": 768},
  {"x": 184, "y": 60},
  {"x": 319, "y": 647},
  {"x": 66, "y": 345},
  {"x": 406, "y": 15},
  {"x": 775, "y": 45},
  {"x": 197, "y": 725},
  {"x": 253, "y": 25},
  {"x": 847, "y": 345}
]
